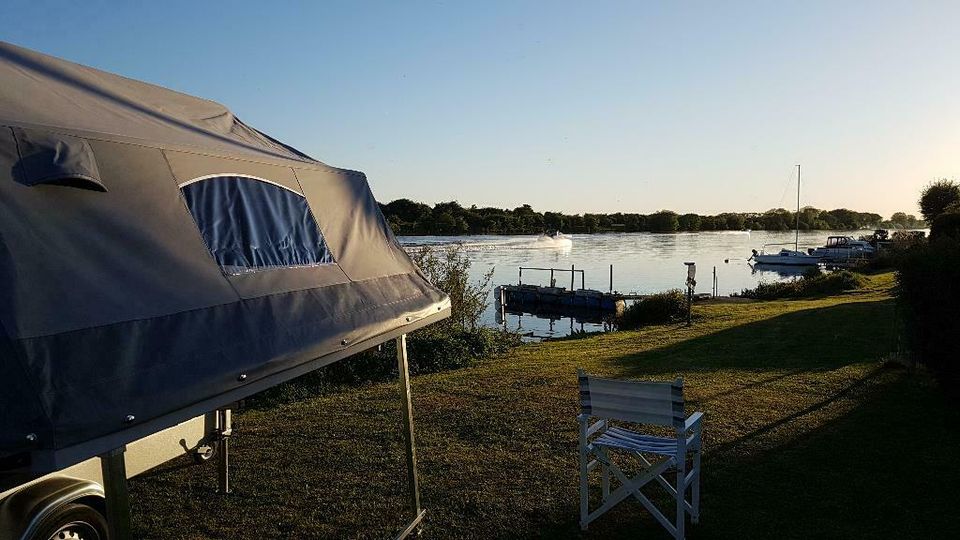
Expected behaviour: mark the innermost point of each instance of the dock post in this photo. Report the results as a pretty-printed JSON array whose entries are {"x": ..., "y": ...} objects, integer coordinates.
[
  {"x": 573, "y": 273},
  {"x": 583, "y": 279},
  {"x": 553, "y": 282},
  {"x": 113, "y": 467},
  {"x": 611, "y": 278},
  {"x": 714, "y": 281},
  {"x": 520, "y": 277}
]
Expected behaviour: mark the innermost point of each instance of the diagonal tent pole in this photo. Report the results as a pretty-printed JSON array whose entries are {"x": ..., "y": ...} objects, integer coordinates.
[{"x": 404, "y": 368}]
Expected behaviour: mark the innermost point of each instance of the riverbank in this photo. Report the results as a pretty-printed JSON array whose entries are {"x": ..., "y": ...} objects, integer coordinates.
[{"x": 807, "y": 431}]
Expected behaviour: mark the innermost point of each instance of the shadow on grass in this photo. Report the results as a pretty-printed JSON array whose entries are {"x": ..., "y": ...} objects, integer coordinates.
[
  {"x": 809, "y": 410},
  {"x": 811, "y": 339},
  {"x": 884, "y": 469}
]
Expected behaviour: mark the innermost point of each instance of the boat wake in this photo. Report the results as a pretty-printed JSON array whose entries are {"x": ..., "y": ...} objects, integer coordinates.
[
  {"x": 564, "y": 242},
  {"x": 558, "y": 241}
]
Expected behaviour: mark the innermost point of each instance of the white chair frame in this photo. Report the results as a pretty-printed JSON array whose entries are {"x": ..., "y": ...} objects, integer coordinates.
[{"x": 651, "y": 403}]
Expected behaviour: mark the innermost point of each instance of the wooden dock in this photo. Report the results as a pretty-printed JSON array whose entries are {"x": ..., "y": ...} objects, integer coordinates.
[{"x": 560, "y": 299}]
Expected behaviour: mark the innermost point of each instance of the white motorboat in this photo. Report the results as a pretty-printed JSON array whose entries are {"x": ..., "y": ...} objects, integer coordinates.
[
  {"x": 555, "y": 235},
  {"x": 788, "y": 257},
  {"x": 844, "y": 248},
  {"x": 555, "y": 239},
  {"x": 785, "y": 257}
]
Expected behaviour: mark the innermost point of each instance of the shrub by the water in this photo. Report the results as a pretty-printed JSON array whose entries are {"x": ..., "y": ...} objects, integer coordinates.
[
  {"x": 658, "y": 308},
  {"x": 452, "y": 343},
  {"x": 812, "y": 283},
  {"x": 928, "y": 297},
  {"x": 946, "y": 226}
]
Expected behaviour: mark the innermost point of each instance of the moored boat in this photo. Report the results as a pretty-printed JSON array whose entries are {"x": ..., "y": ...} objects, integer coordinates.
[
  {"x": 785, "y": 257},
  {"x": 788, "y": 257},
  {"x": 844, "y": 248}
]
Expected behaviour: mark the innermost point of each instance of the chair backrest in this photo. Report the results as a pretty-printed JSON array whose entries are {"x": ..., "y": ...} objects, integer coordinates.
[{"x": 656, "y": 403}]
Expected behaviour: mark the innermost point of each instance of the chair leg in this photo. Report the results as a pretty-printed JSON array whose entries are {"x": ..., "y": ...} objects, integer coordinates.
[
  {"x": 695, "y": 516},
  {"x": 605, "y": 481},
  {"x": 584, "y": 494},
  {"x": 681, "y": 497}
]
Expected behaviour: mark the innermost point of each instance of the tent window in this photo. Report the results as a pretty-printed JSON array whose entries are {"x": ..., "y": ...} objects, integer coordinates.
[{"x": 250, "y": 224}]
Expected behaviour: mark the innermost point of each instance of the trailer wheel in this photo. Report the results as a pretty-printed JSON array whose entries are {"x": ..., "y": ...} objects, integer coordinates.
[{"x": 72, "y": 522}]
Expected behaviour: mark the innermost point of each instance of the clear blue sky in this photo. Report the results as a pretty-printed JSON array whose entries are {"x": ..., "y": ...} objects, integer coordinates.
[{"x": 572, "y": 106}]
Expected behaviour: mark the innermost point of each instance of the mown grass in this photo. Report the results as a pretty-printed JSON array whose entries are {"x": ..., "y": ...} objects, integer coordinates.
[{"x": 808, "y": 435}]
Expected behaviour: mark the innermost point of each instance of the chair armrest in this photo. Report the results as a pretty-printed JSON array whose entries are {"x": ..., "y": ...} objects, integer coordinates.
[
  {"x": 584, "y": 420},
  {"x": 693, "y": 423}
]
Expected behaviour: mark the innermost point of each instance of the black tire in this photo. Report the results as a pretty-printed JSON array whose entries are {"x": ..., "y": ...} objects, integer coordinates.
[{"x": 74, "y": 522}]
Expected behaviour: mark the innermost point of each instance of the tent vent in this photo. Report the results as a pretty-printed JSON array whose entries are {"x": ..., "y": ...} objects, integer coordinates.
[{"x": 56, "y": 160}]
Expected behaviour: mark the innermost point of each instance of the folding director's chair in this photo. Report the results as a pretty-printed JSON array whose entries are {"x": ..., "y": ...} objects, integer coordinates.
[{"x": 651, "y": 403}]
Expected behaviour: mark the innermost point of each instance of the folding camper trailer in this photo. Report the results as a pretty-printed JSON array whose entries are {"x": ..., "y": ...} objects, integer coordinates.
[{"x": 160, "y": 260}]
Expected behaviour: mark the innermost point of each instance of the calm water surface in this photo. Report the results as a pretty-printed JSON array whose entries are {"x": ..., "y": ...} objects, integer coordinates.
[{"x": 642, "y": 263}]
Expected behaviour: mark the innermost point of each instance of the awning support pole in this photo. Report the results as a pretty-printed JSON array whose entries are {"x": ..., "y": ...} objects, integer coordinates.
[
  {"x": 404, "y": 368},
  {"x": 114, "y": 470},
  {"x": 225, "y": 430}
]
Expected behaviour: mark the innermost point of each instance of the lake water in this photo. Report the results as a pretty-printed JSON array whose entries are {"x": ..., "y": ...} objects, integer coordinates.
[{"x": 642, "y": 263}]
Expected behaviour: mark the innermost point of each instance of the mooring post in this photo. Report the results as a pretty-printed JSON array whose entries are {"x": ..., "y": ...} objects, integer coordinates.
[
  {"x": 691, "y": 283},
  {"x": 404, "y": 369},
  {"x": 611, "y": 278},
  {"x": 714, "y": 281},
  {"x": 113, "y": 467},
  {"x": 573, "y": 273},
  {"x": 520, "y": 277}
]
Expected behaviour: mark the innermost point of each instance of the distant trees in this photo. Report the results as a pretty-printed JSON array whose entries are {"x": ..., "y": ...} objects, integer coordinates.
[
  {"x": 663, "y": 221},
  {"x": 902, "y": 220},
  {"x": 451, "y": 218},
  {"x": 689, "y": 222}
]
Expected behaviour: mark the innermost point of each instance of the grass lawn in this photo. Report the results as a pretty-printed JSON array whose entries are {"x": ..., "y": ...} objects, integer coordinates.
[{"x": 807, "y": 435}]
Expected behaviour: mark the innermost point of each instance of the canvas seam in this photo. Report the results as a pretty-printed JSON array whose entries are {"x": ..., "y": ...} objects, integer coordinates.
[
  {"x": 255, "y": 338},
  {"x": 177, "y": 147},
  {"x": 240, "y": 299}
]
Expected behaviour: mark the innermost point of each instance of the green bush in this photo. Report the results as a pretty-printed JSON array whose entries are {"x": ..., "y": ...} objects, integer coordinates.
[
  {"x": 928, "y": 296},
  {"x": 660, "y": 308},
  {"x": 813, "y": 283},
  {"x": 946, "y": 226}
]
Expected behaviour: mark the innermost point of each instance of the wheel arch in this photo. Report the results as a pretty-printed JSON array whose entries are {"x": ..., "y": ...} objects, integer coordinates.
[{"x": 22, "y": 512}]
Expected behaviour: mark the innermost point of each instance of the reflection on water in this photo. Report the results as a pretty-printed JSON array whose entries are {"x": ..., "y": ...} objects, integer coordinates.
[
  {"x": 642, "y": 263},
  {"x": 777, "y": 271}
]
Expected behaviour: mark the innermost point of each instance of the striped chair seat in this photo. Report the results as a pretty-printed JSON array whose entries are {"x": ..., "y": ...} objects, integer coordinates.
[{"x": 625, "y": 439}]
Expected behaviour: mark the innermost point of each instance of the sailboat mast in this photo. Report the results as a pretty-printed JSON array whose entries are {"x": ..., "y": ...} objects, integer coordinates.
[{"x": 796, "y": 241}]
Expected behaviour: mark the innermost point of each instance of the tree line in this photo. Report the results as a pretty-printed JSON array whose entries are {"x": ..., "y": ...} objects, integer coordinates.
[{"x": 408, "y": 217}]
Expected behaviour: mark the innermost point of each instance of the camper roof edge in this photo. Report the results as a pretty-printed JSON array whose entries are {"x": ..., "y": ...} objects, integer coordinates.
[{"x": 45, "y": 461}]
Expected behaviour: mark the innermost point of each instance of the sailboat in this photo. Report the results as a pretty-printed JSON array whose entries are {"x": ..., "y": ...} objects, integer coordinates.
[{"x": 787, "y": 257}]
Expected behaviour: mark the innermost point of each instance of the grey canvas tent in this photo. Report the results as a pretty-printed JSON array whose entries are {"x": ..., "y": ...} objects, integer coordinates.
[{"x": 159, "y": 258}]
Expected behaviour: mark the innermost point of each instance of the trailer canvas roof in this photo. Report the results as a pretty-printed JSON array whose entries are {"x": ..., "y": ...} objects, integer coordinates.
[{"x": 160, "y": 258}]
